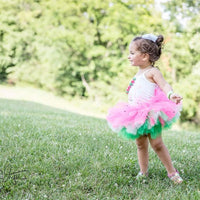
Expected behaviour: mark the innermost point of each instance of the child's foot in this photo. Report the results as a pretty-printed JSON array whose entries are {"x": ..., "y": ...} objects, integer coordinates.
[
  {"x": 141, "y": 176},
  {"x": 175, "y": 177}
]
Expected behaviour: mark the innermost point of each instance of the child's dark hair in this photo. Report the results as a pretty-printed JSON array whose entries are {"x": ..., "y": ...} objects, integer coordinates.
[{"x": 150, "y": 47}]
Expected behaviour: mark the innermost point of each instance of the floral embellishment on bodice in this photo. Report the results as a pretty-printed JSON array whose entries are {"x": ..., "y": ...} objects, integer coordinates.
[{"x": 130, "y": 85}]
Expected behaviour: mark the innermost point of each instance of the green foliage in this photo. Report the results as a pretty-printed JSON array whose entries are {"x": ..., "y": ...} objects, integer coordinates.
[
  {"x": 190, "y": 90},
  {"x": 184, "y": 15},
  {"x": 80, "y": 48}
]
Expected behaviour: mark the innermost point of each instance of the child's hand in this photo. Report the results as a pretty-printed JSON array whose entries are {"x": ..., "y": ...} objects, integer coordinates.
[{"x": 175, "y": 98}]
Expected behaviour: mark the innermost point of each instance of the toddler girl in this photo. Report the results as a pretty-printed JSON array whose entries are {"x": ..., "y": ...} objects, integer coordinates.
[{"x": 152, "y": 105}]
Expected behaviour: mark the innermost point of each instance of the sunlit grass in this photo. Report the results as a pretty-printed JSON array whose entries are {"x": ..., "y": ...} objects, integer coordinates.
[
  {"x": 47, "y": 153},
  {"x": 75, "y": 104}
]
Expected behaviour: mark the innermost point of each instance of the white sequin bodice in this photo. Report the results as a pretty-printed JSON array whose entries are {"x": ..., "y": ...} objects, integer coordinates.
[{"x": 141, "y": 91}]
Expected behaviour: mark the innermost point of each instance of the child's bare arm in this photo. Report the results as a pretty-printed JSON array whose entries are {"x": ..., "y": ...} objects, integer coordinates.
[{"x": 165, "y": 87}]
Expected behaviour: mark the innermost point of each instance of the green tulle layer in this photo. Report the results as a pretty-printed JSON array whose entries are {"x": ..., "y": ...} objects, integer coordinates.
[{"x": 154, "y": 131}]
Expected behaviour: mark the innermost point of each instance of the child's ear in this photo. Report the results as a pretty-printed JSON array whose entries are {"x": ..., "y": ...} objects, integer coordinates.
[{"x": 145, "y": 57}]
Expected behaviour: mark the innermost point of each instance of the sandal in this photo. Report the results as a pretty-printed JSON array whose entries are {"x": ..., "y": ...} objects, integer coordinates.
[
  {"x": 141, "y": 176},
  {"x": 175, "y": 177}
]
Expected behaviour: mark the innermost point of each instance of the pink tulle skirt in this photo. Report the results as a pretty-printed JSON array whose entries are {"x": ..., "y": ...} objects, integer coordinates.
[{"x": 146, "y": 118}]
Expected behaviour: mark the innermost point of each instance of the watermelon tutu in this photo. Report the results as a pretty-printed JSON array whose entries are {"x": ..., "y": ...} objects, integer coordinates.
[{"x": 133, "y": 121}]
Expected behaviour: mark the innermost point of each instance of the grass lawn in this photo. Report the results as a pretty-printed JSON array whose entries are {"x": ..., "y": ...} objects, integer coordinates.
[{"x": 48, "y": 153}]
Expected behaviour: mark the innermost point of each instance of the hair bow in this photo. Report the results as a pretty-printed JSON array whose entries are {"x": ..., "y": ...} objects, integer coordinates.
[{"x": 150, "y": 37}]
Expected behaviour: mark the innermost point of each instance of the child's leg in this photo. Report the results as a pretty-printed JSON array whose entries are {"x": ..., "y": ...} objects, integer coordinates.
[
  {"x": 162, "y": 152},
  {"x": 142, "y": 151}
]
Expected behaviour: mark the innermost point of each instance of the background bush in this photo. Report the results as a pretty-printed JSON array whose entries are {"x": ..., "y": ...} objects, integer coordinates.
[{"x": 80, "y": 48}]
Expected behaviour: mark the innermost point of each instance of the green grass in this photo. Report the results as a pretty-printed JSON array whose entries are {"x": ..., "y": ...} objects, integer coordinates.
[{"x": 47, "y": 153}]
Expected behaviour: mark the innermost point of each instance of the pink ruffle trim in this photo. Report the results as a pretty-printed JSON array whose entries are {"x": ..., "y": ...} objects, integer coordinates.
[{"x": 132, "y": 117}]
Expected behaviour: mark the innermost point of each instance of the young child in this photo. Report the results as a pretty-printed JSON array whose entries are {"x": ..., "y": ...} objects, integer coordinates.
[{"x": 152, "y": 105}]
